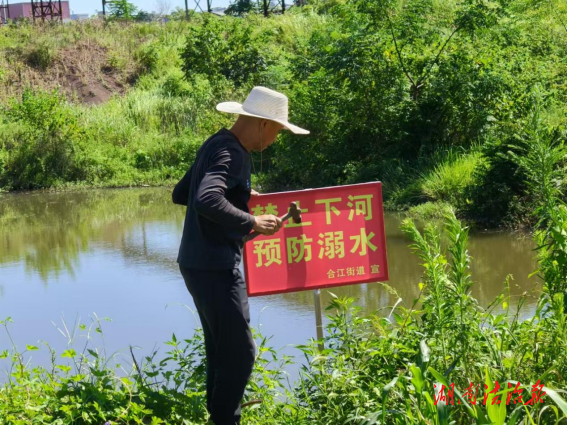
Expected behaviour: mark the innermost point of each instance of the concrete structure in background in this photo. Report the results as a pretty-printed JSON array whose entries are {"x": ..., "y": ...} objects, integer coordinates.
[{"x": 24, "y": 10}]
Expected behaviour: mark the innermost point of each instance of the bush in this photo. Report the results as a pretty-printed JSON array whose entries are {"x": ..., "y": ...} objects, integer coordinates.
[
  {"x": 42, "y": 154},
  {"x": 115, "y": 62},
  {"x": 428, "y": 211},
  {"x": 524, "y": 165},
  {"x": 148, "y": 56},
  {"x": 223, "y": 48},
  {"x": 176, "y": 85},
  {"x": 40, "y": 56}
]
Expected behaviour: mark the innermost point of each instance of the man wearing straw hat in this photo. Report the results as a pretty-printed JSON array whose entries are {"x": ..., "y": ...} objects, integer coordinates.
[{"x": 216, "y": 191}]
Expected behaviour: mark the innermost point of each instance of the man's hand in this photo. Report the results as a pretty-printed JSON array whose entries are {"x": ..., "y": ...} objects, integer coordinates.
[
  {"x": 267, "y": 224},
  {"x": 254, "y": 193}
]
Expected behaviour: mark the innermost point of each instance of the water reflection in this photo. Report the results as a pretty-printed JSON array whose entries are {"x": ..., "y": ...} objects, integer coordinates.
[
  {"x": 495, "y": 256},
  {"x": 46, "y": 233},
  {"x": 113, "y": 252}
]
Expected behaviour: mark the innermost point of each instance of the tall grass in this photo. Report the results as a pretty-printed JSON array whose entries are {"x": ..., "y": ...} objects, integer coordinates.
[
  {"x": 143, "y": 138},
  {"x": 540, "y": 153},
  {"x": 450, "y": 177},
  {"x": 388, "y": 368},
  {"x": 430, "y": 210}
]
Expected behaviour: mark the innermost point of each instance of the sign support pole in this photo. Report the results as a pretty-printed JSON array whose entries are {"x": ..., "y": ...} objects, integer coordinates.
[{"x": 318, "y": 318}]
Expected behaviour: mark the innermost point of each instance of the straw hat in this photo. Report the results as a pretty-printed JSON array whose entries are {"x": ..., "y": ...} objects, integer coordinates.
[{"x": 263, "y": 103}]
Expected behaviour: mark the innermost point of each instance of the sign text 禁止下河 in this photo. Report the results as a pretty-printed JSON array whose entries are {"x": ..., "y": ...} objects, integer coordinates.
[{"x": 339, "y": 241}]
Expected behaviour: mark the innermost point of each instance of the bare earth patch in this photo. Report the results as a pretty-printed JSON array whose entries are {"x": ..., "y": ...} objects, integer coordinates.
[{"x": 85, "y": 72}]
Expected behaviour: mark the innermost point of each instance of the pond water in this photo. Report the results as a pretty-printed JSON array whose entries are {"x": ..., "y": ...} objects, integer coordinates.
[{"x": 69, "y": 258}]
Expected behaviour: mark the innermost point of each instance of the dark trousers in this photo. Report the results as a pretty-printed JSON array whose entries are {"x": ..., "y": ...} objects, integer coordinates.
[{"x": 221, "y": 300}]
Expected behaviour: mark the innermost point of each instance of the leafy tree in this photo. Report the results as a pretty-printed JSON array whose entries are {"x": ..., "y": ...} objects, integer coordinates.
[
  {"x": 179, "y": 14},
  {"x": 240, "y": 7},
  {"x": 143, "y": 16},
  {"x": 223, "y": 48},
  {"x": 122, "y": 9}
]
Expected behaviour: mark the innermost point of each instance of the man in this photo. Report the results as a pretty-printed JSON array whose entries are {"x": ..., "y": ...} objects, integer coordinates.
[{"x": 216, "y": 191}]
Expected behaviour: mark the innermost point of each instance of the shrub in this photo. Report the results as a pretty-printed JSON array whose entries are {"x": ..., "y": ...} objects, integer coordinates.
[
  {"x": 223, "y": 47},
  {"x": 148, "y": 56},
  {"x": 430, "y": 210},
  {"x": 43, "y": 153},
  {"x": 40, "y": 56},
  {"x": 176, "y": 85},
  {"x": 451, "y": 177}
]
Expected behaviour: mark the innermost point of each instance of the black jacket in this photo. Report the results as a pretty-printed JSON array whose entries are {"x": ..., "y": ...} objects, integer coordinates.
[{"x": 216, "y": 190}]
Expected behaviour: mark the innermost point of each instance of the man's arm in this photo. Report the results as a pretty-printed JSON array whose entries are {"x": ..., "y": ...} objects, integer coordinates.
[
  {"x": 210, "y": 200},
  {"x": 180, "y": 194}
]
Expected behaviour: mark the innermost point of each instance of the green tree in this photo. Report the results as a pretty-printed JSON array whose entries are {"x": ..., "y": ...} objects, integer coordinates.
[
  {"x": 240, "y": 7},
  {"x": 224, "y": 48},
  {"x": 122, "y": 9},
  {"x": 143, "y": 16},
  {"x": 179, "y": 14}
]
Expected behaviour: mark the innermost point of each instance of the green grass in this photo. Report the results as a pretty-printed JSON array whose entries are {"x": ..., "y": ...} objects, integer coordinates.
[
  {"x": 450, "y": 178},
  {"x": 430, "y": 210},
  {"x": 347, "y": 85}
]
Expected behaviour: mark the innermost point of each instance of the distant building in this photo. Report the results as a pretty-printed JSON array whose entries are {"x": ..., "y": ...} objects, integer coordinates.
[
  {"x": 277, "y": 5},
  {"x": 24, "y": 10},
  {"x": 218, "y": 10},
  {"x": 79, "y": 16}
]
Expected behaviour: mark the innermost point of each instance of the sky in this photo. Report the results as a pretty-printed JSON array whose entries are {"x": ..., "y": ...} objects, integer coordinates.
[{"x": 91, "y": 6}]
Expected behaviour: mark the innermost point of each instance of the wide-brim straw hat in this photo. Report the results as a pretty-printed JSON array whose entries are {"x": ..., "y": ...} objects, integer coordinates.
[{"x": 264, "y": 103}]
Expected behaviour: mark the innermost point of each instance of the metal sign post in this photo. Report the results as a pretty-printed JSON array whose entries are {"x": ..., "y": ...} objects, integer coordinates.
[{"x": 319, "y": 318}]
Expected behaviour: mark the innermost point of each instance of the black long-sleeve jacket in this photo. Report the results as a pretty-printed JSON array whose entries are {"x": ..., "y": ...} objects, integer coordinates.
[{"x": 216, "y": 191}]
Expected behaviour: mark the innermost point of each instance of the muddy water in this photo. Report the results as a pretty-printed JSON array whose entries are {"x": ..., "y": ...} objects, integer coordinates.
[{"x": 68, "y": 259}]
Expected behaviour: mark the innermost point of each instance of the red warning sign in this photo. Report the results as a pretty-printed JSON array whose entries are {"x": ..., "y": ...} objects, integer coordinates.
[{"x": 340, "y": 240}]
